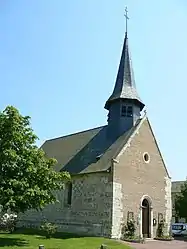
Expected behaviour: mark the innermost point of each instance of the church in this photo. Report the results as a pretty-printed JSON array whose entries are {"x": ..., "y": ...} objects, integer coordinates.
[{"x": 118, "y": 172}]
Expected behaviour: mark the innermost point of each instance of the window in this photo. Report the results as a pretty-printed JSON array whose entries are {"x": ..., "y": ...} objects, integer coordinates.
[
  {"x": 178, "y": 227},
  {"x": 129, "y": 111},
  {"x": 68, "y": 194},
  {"x": 126, "y": 111},
  {"x": 146, "y": 157},
  {"x": 123, "y": 111}
]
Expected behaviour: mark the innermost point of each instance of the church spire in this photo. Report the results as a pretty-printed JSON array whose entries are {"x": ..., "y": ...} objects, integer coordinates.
[
  {"x": 124, "y": 105},
  {"x": 125, "y": 87}
]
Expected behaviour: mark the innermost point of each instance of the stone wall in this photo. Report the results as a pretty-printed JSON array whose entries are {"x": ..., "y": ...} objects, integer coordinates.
[
  {"x": 117, "y": 210},
  {"x": 89, "y": 213},
  {"x": 168, "y": 204},
  {"x": 138, "y": 178}
]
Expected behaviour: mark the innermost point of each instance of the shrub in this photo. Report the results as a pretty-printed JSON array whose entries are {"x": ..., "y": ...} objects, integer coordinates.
[
  {"x": 128, "y": 231},
  {"x": 160, "y": 229},
  {"x": 48, "y": 228},
  {"x": 8, "y": 222}
]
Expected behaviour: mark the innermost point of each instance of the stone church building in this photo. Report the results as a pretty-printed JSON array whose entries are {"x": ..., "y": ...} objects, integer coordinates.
[{"x": 117, "y": 170}]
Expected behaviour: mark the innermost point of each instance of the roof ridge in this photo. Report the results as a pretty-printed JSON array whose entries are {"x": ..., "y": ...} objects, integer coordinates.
[{"x": 76, "y": 133}]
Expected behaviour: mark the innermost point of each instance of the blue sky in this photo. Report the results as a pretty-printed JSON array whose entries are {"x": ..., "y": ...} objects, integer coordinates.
[{"x": 59, "y": 59}]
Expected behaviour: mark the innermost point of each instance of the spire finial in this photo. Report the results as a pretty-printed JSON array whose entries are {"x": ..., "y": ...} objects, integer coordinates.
[{"x": 126, "y": 17}]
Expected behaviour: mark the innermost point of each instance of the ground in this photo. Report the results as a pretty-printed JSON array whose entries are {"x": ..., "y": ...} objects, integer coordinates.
[
  {"x": 176, "y": 244},
  {"x": 30, "y": 240}
]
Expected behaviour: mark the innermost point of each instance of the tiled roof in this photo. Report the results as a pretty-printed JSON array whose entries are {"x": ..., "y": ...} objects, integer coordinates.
[
  {"x": 125, "y": 87},
  {"x": 87, "y": 151}
]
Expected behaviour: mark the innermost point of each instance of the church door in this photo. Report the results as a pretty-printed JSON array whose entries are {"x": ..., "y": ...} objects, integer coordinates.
[{"x": 145, "y": 218}]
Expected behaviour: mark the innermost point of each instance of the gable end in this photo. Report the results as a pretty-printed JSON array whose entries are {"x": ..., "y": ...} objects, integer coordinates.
[{"x": 136, "y": 132}]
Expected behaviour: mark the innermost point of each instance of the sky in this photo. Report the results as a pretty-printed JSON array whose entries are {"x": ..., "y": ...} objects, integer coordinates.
[{"x": 59, "y": 60}]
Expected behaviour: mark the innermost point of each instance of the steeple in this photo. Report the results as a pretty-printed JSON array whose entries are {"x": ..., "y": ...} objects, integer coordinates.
[
  {"x": 124, "y": 104},
  {"x": 125, "y": 87}
]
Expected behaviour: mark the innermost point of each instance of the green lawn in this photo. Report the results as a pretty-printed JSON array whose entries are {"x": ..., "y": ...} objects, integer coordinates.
[{"x": 30, "y": 240}]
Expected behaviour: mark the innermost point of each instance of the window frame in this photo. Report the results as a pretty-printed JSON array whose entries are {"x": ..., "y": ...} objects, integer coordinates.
[
  {"x": 68, "y": 194},
  {"x": 125, "y": 112}
]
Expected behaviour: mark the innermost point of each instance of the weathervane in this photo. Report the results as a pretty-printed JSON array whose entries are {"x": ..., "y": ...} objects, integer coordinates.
[{"x": 126, "y": 17}]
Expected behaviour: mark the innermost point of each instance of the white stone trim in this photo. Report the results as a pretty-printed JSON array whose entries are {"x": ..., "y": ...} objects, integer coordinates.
[
  {"x": 147, "y": 197},
  {"x": 168, "y": 204},
  {"x": 146, "y": 153},
  {"x": 151, "y": 223},
  {"x": 117, "y": 210}
]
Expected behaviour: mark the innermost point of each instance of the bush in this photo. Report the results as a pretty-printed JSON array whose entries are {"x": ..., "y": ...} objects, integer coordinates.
[
  {"x": 128, "y": 231},
  {"x": 160, "y": 229},
  {"x": 49, "y": 229},
  {"x": 8, "y": 222}
]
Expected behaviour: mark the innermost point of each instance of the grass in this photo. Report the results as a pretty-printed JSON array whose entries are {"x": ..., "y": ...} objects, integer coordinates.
[{"x": 28, "y": 239}]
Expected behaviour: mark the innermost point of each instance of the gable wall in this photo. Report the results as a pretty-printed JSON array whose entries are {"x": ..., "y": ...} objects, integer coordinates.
[
  {"x": 134, "y": 178},
  {"x": 90, "y": 212}
]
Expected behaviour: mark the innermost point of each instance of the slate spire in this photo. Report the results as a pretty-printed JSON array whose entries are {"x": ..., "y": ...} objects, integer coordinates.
[{"x": 125, "y": 87}]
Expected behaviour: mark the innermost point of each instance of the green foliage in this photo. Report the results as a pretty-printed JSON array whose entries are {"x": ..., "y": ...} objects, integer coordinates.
[
  {"x": 160, "y": 229},
  {"x": 27, "y": 176},
  {"x": 181, "y": 202},
  {"x": 8, "y": 222},
  {"x": 49, "y": 229},
  {"x": 128, "y": 230}
]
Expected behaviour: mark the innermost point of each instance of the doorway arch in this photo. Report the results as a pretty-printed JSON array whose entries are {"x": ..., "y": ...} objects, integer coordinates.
[{"x": 146, "y": 218}]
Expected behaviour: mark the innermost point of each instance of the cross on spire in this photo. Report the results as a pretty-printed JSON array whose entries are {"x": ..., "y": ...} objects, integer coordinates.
[
  {"x": 125, "y": 87},
  {"x": 126, "y": 17}
]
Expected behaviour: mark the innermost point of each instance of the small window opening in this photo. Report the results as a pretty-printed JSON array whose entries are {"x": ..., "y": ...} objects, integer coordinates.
[
  {"x": 126, "y": 111},
  {"x": 146, "y": 157},
  {"x": 69, "y": 193},
  {"x": 123, "y": 111},
  {"x": 129, "y": 111}
]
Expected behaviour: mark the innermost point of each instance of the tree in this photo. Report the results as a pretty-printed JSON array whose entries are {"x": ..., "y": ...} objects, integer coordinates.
[
  {"x": 27, "y": 177},
  {"x": 181, "y": 202}
]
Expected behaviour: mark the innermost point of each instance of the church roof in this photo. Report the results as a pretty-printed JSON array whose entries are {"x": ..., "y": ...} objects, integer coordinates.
[
  {"x": 86, "y": 151},
  {"x": 125, "y": 87}
]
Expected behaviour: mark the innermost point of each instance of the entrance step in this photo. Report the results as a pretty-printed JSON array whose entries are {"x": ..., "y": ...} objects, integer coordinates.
[{"x": 149, "y": 239}]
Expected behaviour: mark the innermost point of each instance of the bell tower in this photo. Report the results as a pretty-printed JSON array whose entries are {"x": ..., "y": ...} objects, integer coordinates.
[{"x": 124, "y": 105}]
